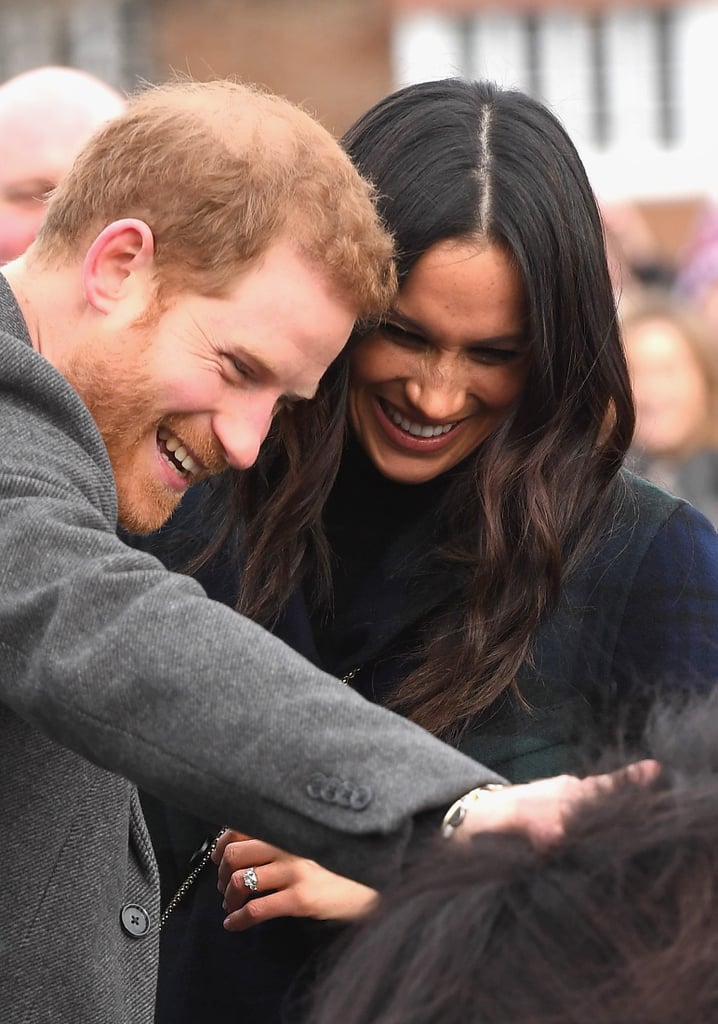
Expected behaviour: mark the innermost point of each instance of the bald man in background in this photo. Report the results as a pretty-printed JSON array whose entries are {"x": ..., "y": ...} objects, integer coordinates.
[{"x": 46, "y": 116}]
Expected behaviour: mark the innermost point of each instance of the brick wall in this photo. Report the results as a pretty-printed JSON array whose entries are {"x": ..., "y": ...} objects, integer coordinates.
[{"x": 331, "y": 55}]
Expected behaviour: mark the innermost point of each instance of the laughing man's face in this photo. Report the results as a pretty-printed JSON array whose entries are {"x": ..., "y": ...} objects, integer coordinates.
[{"x": 195, "y": 393}]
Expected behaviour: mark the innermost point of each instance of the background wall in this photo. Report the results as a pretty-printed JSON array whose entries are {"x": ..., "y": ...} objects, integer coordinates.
[
  {"x": 333, "y": 56},
  {"x": 633, "y": 80}
]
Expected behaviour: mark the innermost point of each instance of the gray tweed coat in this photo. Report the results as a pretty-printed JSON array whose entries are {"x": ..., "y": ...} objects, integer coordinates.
[{"x": 115, "y": 672}]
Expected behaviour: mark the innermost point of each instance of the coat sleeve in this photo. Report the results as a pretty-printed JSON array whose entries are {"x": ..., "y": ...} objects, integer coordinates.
[{"x": 134, "y": 668}]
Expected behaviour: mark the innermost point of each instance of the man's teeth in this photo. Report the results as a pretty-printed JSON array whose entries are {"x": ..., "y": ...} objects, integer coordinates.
[
  {"x": 178, "y": 450},
  {"x": 418, "y": 429}
]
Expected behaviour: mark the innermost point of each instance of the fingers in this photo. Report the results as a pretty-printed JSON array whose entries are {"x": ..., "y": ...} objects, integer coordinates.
[
  {"x": 247, "y": 853},
  {"x": 548, "y": 830},
  {"x": 300, "y": 889},
  {"x": 270, "y": 877},
  {"x": 638, "y": 773},
  {"x": 264, "y": 908},
  {"x": 230, "y": 836},
  {"x": 643, "y": 773}
]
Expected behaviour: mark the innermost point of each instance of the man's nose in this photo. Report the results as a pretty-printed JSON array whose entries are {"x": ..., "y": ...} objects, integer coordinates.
[
  {"x": 242, "y": 429},
  {"x": 438, "y": 393}
]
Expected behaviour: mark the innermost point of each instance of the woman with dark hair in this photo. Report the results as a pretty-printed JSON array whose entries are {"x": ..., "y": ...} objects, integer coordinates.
[{"x": 482, "y": 563}]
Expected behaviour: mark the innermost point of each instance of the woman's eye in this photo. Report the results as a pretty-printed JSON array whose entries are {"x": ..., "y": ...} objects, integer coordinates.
[
  {"x": 495, "y": 356},
  {"x": 401, "y": 336}
]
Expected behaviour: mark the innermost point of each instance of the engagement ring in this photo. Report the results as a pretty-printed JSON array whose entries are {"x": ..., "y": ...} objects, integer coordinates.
[{"x": 250, "y": 879}]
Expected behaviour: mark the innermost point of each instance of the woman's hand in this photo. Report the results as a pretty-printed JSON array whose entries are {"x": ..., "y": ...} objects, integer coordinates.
[{"x": 286, "y": 885}]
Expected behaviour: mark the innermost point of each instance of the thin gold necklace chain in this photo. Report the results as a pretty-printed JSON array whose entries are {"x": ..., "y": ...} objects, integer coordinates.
[{"x": 191, "y": 877}]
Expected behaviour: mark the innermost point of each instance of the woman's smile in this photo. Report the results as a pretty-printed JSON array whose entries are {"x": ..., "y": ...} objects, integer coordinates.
[{"x": 413, "y": 435}]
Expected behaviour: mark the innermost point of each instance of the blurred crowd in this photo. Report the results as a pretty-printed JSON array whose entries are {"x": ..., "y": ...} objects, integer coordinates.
[{"x": 669, "y": 316}]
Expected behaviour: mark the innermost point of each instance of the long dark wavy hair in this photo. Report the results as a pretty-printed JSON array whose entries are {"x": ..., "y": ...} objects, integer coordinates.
[
  {"x": 470, "y": 161},
  {"x": 268, "y": 519}
]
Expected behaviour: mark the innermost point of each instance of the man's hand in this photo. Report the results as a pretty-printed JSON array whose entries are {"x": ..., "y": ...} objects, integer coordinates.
[{"x": 540, "y": 809}]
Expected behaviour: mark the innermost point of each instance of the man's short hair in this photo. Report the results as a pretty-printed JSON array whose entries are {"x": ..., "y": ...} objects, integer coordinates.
[{"x": 220, "y": 170}]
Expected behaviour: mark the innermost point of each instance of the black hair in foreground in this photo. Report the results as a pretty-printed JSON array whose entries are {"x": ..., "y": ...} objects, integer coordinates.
[{"x": 616, "y": 925}]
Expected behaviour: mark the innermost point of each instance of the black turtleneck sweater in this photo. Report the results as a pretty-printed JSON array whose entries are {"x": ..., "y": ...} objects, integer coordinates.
[{"x": 381, "y": 534}]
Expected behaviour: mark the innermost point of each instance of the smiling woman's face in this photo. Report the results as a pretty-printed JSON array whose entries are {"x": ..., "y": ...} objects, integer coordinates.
[{"x": 446, "y": 367}]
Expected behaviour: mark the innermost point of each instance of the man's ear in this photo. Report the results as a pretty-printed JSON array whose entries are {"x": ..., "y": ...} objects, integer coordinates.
[{"x": 117, "y": 263}]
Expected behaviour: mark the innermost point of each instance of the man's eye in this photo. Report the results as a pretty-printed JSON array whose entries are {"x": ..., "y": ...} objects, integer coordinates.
[{"x": 240, "y": 368}]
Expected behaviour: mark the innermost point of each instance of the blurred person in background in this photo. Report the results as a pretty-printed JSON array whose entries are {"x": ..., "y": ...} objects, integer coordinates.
[
  {"x": 634, "y": 259},
  {"x": 46, "y": 116},
  {"x": 673, "y": 364},
  {"x": 696, "y": 279}
]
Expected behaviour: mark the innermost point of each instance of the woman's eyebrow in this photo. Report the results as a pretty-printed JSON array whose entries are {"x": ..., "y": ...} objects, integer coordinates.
[
  {"x": 414, "y": 327},
  {"x": 516, "y": 338},
  {"x": 399, "y": 318}
]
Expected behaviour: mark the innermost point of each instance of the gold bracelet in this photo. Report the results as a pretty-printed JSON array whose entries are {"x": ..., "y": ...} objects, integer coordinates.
[{"x": 458, "y": 810}]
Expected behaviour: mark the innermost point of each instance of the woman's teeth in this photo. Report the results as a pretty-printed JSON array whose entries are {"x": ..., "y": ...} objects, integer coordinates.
[{"x": 417, "y": 429}]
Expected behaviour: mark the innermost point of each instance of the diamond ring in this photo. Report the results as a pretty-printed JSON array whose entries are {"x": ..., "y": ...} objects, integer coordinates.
[{"x": 249, "y": 877}]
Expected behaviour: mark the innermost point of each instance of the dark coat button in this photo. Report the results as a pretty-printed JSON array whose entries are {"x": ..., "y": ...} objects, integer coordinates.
[
  {"x": 339, "y": 791},
  {"x": 360, "y": 798},
  {"x": 135, "y": 920},
  {"x": 315, "y": 786},
  {"x": 344, "y": 794},
  {"x": 330, "y": 788}
]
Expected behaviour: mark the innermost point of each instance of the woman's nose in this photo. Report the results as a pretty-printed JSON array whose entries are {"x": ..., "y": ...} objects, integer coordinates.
[{"x": 440, "y": 396}]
